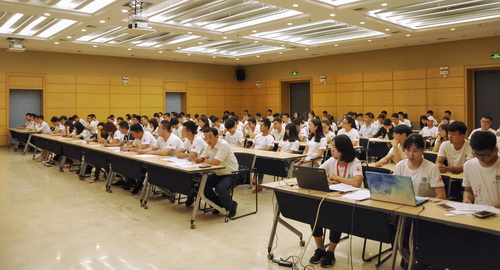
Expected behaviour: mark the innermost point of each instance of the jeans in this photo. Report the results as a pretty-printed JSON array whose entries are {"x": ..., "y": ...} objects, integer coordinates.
[{"x": 217, "y": 190}]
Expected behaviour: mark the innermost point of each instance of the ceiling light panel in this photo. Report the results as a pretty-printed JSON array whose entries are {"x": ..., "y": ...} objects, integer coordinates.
[
  {"x": 333, "y": 2},
  {"x": 218, "y": 15},
  {"x": 230, "y": 48},
  {"x": 322, "y": 32},
  {"x": 85, "y": 6},
  {"x": 115, "y": 35},
  {"x": 439, "y": 13},
  {"x": 31, "y": 26}
]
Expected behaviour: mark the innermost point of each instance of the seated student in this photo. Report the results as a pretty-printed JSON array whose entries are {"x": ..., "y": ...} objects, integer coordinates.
[
  {"x": 361, "y": 120},
  {"x": 380, "y": 121},
  {"x": 303, "y": 132},
  {"x": 166, "y": 116},
  {"x": 285, "y": 118},
  {"x": 430, "y": 116},
  {"x": 202, "y": 125},
  {"x": 176, "y": 127},
  {"x": 100, "y": 136},
  {"x": 482, "y": 173},
  {"x": 251, "y": 129},
  {"x": 264, "y": 142},
  {"x": 142, "y": 139},
  {"x": 316, "y": 145},
  {"x": 290, "y": 142},
  {"x": 69, "y": 128},
  {"x": 386, "y": 131},
  {"x": 349, "y": 129},
  {"x": 423, "y": 122},
  {"x": 332, "y": 122},
  {"x": 486, "y": 121},
  {"x": 425, "y": 175},
  {"x": 63, "y": 119},
  {"x": 167, "y": 143},
  {"x": 40, "y": 125},
  {"x": 92, "y": 123},
  {"x": 219, "y": 152},
  {"x": 403, "y": 120},
  {"x": 456, "y": 151},
  {"x": 442, "y": 137},
  {"x": 29, "y": 122},
  {"x": 118, "y": 120},
  {"x": 368, "y": 129},
  {"x": 401, "y": 133},
  {"x": 447, "y": 113},
  {"x": 116, "y": 136},
  {"x": 145, "y": 124},
  {"x": 353, "y": 116},
  {"x": 78, "y": 119},
  {"x": 80, "y": 131},
  {"x": 270, "y": 115},
  {"x": 395, "y": 120},
  {"x": 342, "y": 167},
  {"x": 218, "y": 125},
  {"x": 327, "y": 129},
  {"x": 193, "y": 146},
  {"x": 153, "y": 123},
  {"x": 430, "y": 131},
  {"x": 59, "y": 128},
  {"x": 444, "y": 120},
  {"x": 278, "y": 131},
  {"x": 233, "y": 136}
]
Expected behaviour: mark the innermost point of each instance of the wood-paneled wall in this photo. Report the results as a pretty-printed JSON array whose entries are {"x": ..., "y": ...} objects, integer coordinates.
[{"x": 3, "y": 109}]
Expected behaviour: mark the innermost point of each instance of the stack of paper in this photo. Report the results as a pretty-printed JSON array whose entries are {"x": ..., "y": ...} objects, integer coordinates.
[
  {"x": 176, "y": 160},
  {"x": 145, "y": 156},
  {"x": 467, "y": 208},
  {"x": 358, "y": 195},
  {"x": 343, "y": 187}
]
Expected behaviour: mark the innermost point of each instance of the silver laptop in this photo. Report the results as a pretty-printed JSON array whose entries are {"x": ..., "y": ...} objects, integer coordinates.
[
  {"x": 312, "y": 178},
  {"x": 392, "y": 188}
]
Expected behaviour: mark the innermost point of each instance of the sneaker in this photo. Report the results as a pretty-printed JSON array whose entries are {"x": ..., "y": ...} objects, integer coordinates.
[
  {"x": 257, "y": 190},
  {"x": 318, "y": 255},
  {"x": 135, "y": 191},
  {"x": 190, "y": 200},
  {"x": 126, "y": 186},
  {"x": 118, "y": 183},
  {"x": 232, "y": 211},
  {"x": 215, "y": 212},
  {"x": 328, "y": 260}
]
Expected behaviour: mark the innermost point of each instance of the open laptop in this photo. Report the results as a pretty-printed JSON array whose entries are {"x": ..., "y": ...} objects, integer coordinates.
[
  {"x": 392, "y": 188},
  {"x": 312, "y": 178}
]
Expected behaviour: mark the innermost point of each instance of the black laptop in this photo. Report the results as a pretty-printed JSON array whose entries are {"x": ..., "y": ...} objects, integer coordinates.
[{"x": 312, "y": 178}]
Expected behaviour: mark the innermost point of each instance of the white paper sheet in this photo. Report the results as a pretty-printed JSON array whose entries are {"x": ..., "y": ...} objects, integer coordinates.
[
  {"x": 113, "y": 148},
  {"x": 343, "y": 187},
  {"x": 358, "y": 195},
  {"x": 467, "y": 208},
  {"x": 94, "y": 145},
  {"x": 176, "y": 160},
  {"x": 145, "y": 156},
  {"x": 187, "y": 165}
]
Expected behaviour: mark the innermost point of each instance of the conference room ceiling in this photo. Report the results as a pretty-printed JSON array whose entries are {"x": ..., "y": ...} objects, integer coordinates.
[{"x": 242, "y": 32}]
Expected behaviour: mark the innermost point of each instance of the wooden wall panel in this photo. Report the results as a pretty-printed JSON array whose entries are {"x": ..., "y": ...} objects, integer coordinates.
[
  {"x": 372, "y": 98},
  {"x": 409, "y": 74},
  {"x": 26, "y": 81},
  {"x": 151, "y": 101},
  {"x": 94, "y": 100},
  {"x": 197, "y": 101},
  {"x": 273, "y": 101},
  {"x": 445, "y": 96},
  {"x": 194, "y": 83},
  {"x": 125, "y": 89},
  {"x": 88, "y": 89},
  {"x": 60, "y": 79},
  {"x": 152, "y": 90},
  {"x": 452, "y": 72},
  {"x": 410, "y": 97},
  {"x": 151, "y": 82},
  {"x": 341, "y": 110},
  {"x": 92, "y": 80},
  {"x": 349, "y": 78},
  {"x": 349, "y": 98},
  {"x": 60, "y": 100},
  {"x": 132, "y": 81},
  {"x": 49, "y": 112},
  {"x": 348, "y": 87},
  {"x": 175, "y": 86},
  {"x": 323, "y": 99},
  {"x": 60, "y": 88},
  {"x": 3, "y": 100},
  {"x": 197, "y": 91},
  {"x": 448, "y": 82},
  {"x": 410, "y": 84},
  {"x": 373, "y": 86},
  {"x": 216, "y": 101},
  {"x": 101, "y": 113},
  {"x": 377, "y": 76},
  {"x": 215, "y": 91}
]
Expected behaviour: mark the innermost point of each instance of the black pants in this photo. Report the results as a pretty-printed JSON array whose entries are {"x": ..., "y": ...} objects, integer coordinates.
[
  {"x": 334, "y": 235},
  {"x": 217, "y": 190}
]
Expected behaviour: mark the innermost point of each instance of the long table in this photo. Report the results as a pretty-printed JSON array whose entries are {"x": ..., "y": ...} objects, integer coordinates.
[
  {"x": 268, "y": 162},
  {"x": 130, "y": 163},
  {"x": 20, "y": 136}
]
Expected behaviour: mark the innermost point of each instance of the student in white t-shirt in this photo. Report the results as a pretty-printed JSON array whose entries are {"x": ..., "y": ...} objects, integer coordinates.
[
  {"x": 176, "y": 127},
  {"x": 40, "y": 125},
  {"x": 59, "y": 128},
  {"x": 193, "y": 145},
  {"x": 251, "y": 129},
  {"x": 486, "y": 121},
  {"x": 327, "y": 129},
  {"x": 403, "y": 120},
  {"x": 92, "y": 123},
  {"x": 456, "y": 151},
  {"x": 430, "y": 131},
  {"x": 290, "y": 142},
  {"x": 316, "y": 145},
  {"x": 342, "y": 167},
  {"x": 397, "y": 152},
  {"x": 442, "y": 137},
  {"x": 395, "y": 120},
  {"x": 265, "y": 142},
  {"x": 29, "y": 122},
  {"x": 349, "y": 129},
  {"x": 167, "y": 143},
  {"x": 218, "y": 125},
  {"x": 145, "y": 124},
  {"x": 116, "y": 137},
  {"x": 430, "y": 116},
  {"x": 80, "y": 132},
  {"x": 482, "y": 173},
  {"x": 233, "y": 136},
  {"x": 203, "y": 123},
  {"x": 427, "y": 181},
  {"x": 447, "y": 113},
  {"x": 278, "y": 130},
  {"x": 142, "y": 139}
]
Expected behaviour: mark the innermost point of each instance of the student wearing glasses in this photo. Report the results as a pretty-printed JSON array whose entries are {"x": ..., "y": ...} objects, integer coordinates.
[
  {"x": 349, "y": 129},
  {"x": 482, "y": 173},
  {"x": 442, "y": 137},
  {"x": 427, "y": 181},
  {"x": 342, "y": 167},
  {"x": 397, "y": 152},
  {"x": 486, "y": 121},
  {"x": 456, "y": 151}
]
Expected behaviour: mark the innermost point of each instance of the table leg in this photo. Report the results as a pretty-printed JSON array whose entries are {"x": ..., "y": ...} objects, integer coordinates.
[
  {"x": 397, "y": 239},
  {"x": 111, "y": 177},
  {"x": 201, "y": 195},
  {"x": 61, "y": 164},
  {"x": 276, "y": 218},
  {"x": 83, "y": 169},
  {"x": 410, "y": 260},
  {"x": 290, "y": 168},
  {"x": 27, "y": 145},
  {"x": 145, "y": 193}
]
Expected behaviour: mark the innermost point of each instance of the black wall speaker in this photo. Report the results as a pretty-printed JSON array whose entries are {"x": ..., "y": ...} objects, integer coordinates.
[{"x": 240, "y": 74}]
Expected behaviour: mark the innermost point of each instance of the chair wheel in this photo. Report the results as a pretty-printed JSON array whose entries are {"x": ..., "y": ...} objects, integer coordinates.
[
  {"x": 146, "y": 206},
  {"x": 192, "y": 226},
  {"x": 302, "y": 243},
  {"x": 270, "y": 256},
  {"x": 226, "y": 219}
]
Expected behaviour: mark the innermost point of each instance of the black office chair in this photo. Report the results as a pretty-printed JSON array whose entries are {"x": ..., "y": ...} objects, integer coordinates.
[
  {"x": 378, "y": 150},
  {"x": 242, "y": 176},
  {"x": 372, "y": 169},
  {"x": 430, "y": 157},
  {"x": 363, "y": 151}
]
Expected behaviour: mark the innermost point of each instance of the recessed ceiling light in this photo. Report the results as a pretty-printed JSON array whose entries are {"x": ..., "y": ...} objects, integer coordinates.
[
  {"x": 280, "y": 52},
  {"x": 200, "y": 42},
  {"x": 408, "y": 35},
  {"x": 129, "y": 49},
  {"x": 256, "y": 41},
  {"x": 387, "y": 29},
  {"x": 56, "y": 42},
  {"x": 224, "y": 37},
  {"x": 160, "y": 52},
  {"x": 84, "y": 30},
  {"x": 188, "y": 54},
  {"x": 336, "y": 45},
  {"x": 214, "y": 56},
  {"x": 384, "y": 4},
  {"x": 295, "y": 5},
  {"x": 124, "y": 10},
  {"x": 361, "y": 22},
  {"x": 369, "y": 40},
  {"x": 254, "y": 31},
  {"x": 307, "y": 49},
  {"x": 102, "y": 21},
  {"x": 282, "y": 45},
  {"x": 258, "y": 56},
  {"x": 332, "y": 14},
  {"x": 69, "y": 37},
  {"x": 95, "y": 46},
  {"x": 289, "y": 23},
  {"x": 178, "y": 48},
  {"x": 452, "y": 29},
  {"x": 237, "y": 59},
  {"x": 189, "y": 33},
  {"x": 46, "y": 14}
]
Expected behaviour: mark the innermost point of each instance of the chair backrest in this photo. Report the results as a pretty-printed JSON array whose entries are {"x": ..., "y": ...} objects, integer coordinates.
[
  {"x": 363, "y": 142},
  {"x": 377, "y": 149},
  {"x": 245, "y": 160},
  {"x": 446, "y": 181},
  {"x": 372, "y": 169},
  {"x": 430, "y": 157}
]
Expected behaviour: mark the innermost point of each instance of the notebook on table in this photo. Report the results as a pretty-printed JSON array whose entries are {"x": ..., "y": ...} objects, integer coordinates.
[{"x": 392, "y": 188}]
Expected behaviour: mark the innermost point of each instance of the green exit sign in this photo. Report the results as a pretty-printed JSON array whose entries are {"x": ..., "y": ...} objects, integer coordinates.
[
  {"x": 495, "y": 56},
  {"x": 295, "y": 73}
]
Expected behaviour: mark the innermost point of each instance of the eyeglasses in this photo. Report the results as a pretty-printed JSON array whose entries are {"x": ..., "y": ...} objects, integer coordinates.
[{"x": 481, "y": 156}]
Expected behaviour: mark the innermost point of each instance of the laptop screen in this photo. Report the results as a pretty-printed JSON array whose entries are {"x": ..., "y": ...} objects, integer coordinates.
[{"x": 391, "y": 188}]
